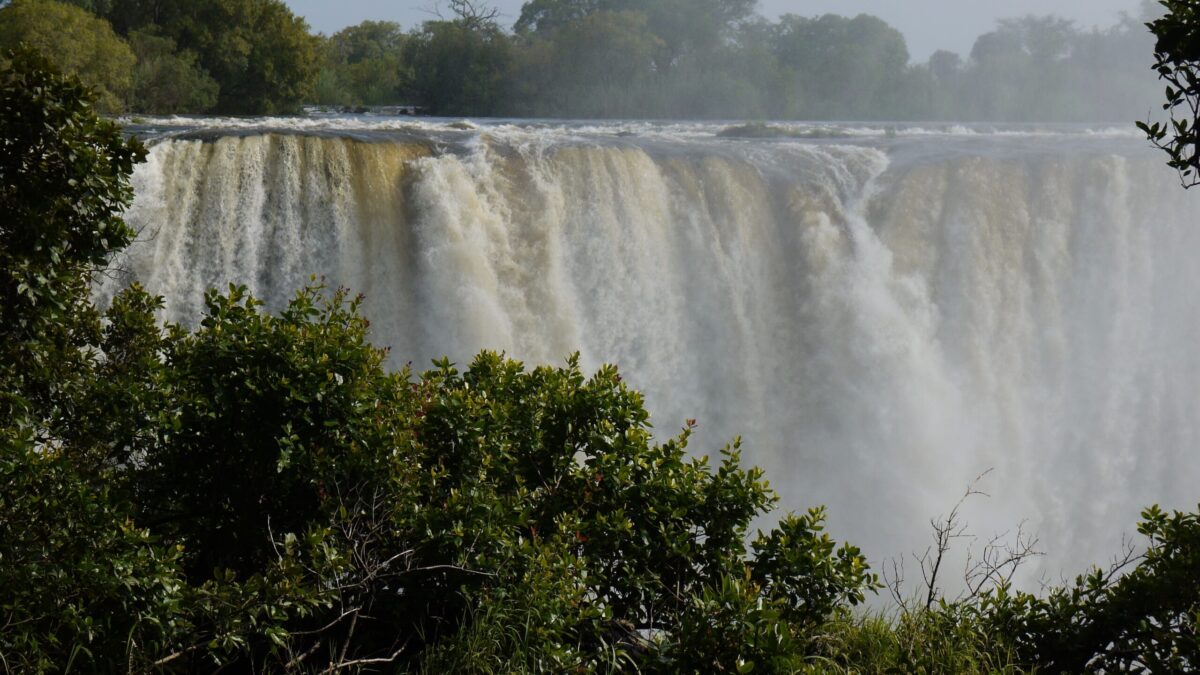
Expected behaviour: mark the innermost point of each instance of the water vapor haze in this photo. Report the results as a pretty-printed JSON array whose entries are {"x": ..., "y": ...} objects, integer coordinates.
[{"x": 929, "y": 25}]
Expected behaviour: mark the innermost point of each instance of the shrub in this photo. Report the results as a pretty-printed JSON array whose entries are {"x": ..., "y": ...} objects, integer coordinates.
[{"x": 1110, "y": 620}]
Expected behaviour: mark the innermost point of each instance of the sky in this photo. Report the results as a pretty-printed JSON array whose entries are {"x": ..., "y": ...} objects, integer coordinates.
[{"x": 928, "y": 25}]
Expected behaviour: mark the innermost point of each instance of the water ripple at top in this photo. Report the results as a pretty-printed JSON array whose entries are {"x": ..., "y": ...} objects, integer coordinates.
[
  {"x": 904, "y": 143},
  {"x": 618, "y": 128}
]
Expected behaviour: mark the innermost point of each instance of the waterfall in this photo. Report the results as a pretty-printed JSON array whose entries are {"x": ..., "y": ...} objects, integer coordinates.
[{"x": 881, "y": 318}]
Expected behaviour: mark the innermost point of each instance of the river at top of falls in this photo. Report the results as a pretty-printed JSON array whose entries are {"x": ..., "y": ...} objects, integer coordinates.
[{"x": 883, "y": 313}]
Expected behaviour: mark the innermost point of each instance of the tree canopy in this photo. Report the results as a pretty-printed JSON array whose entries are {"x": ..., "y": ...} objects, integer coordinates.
[
  {"x": 234, "y": 56},
  {"x": 459, "y": 67},
  {"x": 75, "y": 41},
  {"x": 167, "y": 80},
  {"x": 261, "y": 55},
  {"x": 712, "y": 59},
  {"x": 363, "y": 65}
]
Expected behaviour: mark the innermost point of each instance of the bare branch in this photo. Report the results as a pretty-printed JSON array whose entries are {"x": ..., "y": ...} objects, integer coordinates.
[
  {"x": 333, "y": 668},
  {"x": 945, "y": 531}
]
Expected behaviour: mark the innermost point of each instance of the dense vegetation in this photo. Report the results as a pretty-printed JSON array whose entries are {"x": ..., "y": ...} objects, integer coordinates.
[
  {"x": 262, "y": 495},
  {"x": 233, "y": 56},
  {"x": 587, "y": 58},
  {"x": 1177, "y": 61}
]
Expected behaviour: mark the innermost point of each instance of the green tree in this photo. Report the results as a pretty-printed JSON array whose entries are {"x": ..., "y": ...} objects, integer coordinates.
[
  {"x": 1019, "y": 71},
  {"x": 547, "y": 15},
  {"x": 681, "y": 26},
  {"x": 318, "y": 484},
  {"x": 64, "y": 178},
  {"x": 363, "y": 65},
  {"x": 79, "y": 582},
  {"x": 635, "y": 58},
  {"x": 544, "y": 16},
  {"x": 98, "y": 7},
  {"x": 260, "y": 54},
  {"x": 166, "y": 80},
  {"x": 598, "y": 65},
  {"x": 82, "y": 586},
  {"x": 843, "y": 67},
  {"x": 76, "y": 42},
  {"x": 687, "y": 26},
  {"x": 547, "y": 467},
  {"x": 459, "y": 68}
]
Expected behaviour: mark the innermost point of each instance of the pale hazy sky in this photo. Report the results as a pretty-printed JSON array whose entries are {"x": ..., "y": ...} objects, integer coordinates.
[{"x": 929, "y": 25}]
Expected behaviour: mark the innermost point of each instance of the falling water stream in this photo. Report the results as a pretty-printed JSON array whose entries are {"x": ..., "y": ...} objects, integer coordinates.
[{"x": 881, "y": 314}]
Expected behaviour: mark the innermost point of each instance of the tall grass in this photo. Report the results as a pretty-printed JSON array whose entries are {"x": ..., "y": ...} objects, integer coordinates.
[{"x": 944, "y": 639}]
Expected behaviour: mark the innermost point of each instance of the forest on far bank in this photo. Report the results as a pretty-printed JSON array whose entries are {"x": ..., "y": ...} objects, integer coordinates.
[{"x": 586, "y": 59}]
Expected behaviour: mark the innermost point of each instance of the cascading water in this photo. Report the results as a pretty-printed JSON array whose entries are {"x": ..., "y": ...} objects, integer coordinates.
[{"x": 881, "y": 316}]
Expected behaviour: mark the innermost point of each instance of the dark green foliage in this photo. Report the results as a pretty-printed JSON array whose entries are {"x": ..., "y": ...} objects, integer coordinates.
[
  {"x": 842, "y": 65},
  {"x": 542, "y": 473},
  {"x": 684, "y": 21},
  {"x": 799, "y": 564},
  {"x": 598, "y": 65},
  {"x": 1145, "y": 620},
  {"x": 264, "y": 415},
  {"x": 76, "y": 42},
  {"x": 765, "y": 618},
  {"x": 64, "y": 177},
  {"x": 261, "y": 56},
  {"x": 545, "y": 16},
  {"x": 317, "y": 485},
  {"x": 1038, "y": 68},
  {"x": 633, "y": 58},
  {"x": 363, "y": 65},
  {"x": 93, "y": 6},
  {"x": 1177, "y": 61},
  {"x": 731, "y": 628},
  {"x": 458, "y": 68},
  {"x": 572, "y": 458},
  {"x": 628, "y": 58},
  {"x": 168, "y": 81},
  {"x": 79, "y": 582}
]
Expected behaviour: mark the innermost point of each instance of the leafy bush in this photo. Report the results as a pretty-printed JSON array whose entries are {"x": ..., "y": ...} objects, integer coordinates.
[
  {"x": 1145, "y": 620},
  {"x": 64, "y": 175},
  {"x": 78, "y": 580}
]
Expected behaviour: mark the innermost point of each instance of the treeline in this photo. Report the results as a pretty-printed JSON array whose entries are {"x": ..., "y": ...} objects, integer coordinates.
[
  {"x": 174, "y": 56},
  {"x": 261, "y": 495},
  {"x": 707, "y": 59}
]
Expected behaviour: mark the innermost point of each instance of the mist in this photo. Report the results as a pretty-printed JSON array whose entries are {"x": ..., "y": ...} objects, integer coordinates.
[
  {"x": 747, "y": 60},
  {"x": 928, "y": 25}
]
